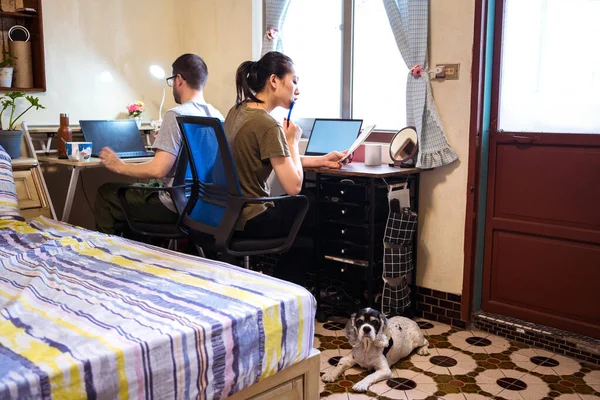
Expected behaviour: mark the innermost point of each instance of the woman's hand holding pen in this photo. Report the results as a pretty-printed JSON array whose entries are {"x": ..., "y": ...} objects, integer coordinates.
[{"x": 293, "y": 132}]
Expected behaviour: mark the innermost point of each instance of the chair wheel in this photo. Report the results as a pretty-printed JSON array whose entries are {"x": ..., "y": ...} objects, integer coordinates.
[{"x": 321, "y": 317}]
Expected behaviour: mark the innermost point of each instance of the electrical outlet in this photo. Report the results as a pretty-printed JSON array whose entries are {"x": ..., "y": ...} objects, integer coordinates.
[{"x": 447, "y": 71}]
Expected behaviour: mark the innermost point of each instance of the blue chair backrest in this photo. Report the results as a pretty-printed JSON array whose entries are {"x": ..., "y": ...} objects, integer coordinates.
[{"x": 210, "y": 170}]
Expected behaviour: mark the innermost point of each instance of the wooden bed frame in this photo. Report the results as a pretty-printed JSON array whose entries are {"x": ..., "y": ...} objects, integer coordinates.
[{"x": 300, "y": 381}]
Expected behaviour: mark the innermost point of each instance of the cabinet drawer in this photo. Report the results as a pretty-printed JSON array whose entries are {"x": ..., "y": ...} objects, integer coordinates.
[
  {"x": 346, "y": 250},
  {"x": 343, "y": 212},
  {"x": 345, "y": 193},
  {"x": 27, "y": 191},
  {"x": 351, "y": 233}
]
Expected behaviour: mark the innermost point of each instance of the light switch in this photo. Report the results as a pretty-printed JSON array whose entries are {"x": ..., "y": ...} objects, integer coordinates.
[{"x": 447, "y": 71}]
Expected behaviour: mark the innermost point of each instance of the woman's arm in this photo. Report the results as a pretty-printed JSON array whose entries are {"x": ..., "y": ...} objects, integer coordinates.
[{"x": 289, "y": 169}]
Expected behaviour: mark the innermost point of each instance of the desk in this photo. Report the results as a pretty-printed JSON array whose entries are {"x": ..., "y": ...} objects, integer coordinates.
[
  {"x": 43, "y": 134},
  {"x": 76, "y": 167},
  {"x": 351, "y": 210}
]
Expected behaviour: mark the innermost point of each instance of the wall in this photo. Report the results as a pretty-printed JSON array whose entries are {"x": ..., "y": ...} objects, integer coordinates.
[
  {"x": 98, "y": 55},
  {"x": 443, "y": 191},
  {"x": 220, "y": 31}
]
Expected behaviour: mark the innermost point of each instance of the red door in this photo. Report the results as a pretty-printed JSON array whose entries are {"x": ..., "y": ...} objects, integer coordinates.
[{"x": 542, "y": 235}]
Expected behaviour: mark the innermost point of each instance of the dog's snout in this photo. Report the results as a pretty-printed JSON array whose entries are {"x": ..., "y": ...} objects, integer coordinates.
[{"x": 366, "y": 329}]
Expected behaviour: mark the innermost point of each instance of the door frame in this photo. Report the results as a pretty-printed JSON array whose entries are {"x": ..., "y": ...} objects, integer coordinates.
[{"x": 468, "y": 304}]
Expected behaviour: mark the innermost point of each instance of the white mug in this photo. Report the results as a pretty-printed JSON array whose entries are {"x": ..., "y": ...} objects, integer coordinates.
[{"x": 372, "y": 154}]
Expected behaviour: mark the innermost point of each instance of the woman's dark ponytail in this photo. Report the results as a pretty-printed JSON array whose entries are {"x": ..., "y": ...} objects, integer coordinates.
[
  {"x": 251, "y": 76},
  {"x": 245, "y": 82}
]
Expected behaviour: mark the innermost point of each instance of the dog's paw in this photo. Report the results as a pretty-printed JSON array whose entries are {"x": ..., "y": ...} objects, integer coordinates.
[
  {"x": 361, "y": 386},
  {"x": 423, "y": 351},
  {"x": 328, "y": 377}
]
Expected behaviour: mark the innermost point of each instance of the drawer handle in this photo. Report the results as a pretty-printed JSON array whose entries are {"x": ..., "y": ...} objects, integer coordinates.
[
  {"x": 343, "y": 231},
  {"x": 343, "y": 251},
  {"x": 342, "y": 270},
  {"x": 341, "y": 192},
  {"x": 343, "y": 212}
]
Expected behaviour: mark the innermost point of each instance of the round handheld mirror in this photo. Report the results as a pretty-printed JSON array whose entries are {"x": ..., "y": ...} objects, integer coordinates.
[{"x": 404, "y": 145}]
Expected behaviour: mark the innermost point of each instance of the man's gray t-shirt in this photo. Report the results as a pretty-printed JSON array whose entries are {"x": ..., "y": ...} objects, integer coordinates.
[{"x": 169, "y": 138}]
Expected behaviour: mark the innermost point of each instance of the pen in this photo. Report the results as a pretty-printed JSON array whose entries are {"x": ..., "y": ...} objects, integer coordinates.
[{"x": 290, "y": 114}]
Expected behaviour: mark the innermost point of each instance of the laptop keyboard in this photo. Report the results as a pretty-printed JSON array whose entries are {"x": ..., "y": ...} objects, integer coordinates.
[{"x": 132, "y": 154}]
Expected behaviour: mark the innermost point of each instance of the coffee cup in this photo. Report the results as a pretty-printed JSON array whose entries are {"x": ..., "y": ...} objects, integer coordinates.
[
  {"x": 79, "y": 151},
  {"x": 372, "y": 154}
]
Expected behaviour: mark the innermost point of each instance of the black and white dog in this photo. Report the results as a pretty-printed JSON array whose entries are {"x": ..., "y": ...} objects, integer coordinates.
[{"x": 377, "y": 343}]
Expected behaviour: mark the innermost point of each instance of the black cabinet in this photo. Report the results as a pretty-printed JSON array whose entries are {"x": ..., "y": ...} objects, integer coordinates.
[{"x": 352, "y": 210}]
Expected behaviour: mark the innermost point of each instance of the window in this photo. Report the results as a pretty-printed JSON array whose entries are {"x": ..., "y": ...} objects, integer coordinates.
[
  {"x": 550, "y": 67},
  {"x": 313, "y": 36}
]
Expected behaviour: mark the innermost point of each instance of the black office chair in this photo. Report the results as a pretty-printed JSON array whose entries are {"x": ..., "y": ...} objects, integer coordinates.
[
  {"x": 216, "y": 202},
  {"x": 179, "y": 193}
]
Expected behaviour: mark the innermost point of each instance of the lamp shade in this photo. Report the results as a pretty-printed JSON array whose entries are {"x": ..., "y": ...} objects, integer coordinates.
[{"x": 157, "y": 72}]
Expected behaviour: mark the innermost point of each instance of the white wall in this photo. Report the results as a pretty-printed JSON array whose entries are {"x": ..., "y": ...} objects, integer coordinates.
[
  {"x": 88, "y": 40},
  {"x": 443, "y": 190},
  {"x": 220, "y": 31}
]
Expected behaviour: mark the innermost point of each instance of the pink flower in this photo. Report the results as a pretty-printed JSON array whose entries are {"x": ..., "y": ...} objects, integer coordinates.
[
  {"x": 135, "y": 109},
  {"x": 416, "y": 71},
  {"x": 272, "y": 33}
]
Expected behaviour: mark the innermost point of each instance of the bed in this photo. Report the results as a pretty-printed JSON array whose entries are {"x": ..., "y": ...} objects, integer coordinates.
[{"x": 88, "y": 315}]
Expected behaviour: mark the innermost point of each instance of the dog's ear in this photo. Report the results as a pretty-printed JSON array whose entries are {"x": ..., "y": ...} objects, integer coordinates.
[
  {"x": 351, "y": 331},
  {"x": 383, "y": 336}
]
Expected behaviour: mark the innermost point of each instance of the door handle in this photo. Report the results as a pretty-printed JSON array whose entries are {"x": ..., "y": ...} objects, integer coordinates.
[{"x": 524, "y": 139}]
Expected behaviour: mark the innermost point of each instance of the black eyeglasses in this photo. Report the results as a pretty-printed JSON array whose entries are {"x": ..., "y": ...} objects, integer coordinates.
[{"x": 170, "y": 79}]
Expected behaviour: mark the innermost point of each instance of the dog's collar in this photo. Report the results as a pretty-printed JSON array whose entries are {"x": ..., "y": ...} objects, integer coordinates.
[{"x": 388, "y": 347}]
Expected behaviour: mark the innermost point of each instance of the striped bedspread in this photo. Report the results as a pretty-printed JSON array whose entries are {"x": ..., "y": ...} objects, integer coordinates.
[{"x": 86, "y": 315}]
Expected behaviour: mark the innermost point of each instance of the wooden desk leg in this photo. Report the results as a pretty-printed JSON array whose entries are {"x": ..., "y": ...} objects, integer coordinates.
[{"x": 70, "y": 194}]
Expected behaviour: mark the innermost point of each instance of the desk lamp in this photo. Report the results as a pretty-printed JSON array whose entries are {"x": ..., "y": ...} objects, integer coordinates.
[{"x": 158, "y": 73}]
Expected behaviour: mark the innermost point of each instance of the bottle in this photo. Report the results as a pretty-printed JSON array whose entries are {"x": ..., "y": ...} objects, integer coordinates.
[{"x": 64, "y": 135}]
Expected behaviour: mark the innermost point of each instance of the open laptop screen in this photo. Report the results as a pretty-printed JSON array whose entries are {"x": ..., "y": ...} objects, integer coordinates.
[
  {"x": 121, "y": 135},
  {"x": 332, "y": 134}
]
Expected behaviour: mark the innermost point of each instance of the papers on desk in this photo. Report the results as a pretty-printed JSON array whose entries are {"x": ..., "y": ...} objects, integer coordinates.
[{"x": 364, "y": 134}]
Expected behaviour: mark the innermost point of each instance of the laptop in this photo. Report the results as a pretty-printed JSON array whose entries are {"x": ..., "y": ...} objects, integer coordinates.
[
  {"x": 332, "y": 134},
  {"x": 121, "y": 135}
]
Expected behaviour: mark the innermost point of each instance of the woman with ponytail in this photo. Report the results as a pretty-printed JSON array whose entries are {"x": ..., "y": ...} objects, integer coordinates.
[{"x": 260, "y": 144}]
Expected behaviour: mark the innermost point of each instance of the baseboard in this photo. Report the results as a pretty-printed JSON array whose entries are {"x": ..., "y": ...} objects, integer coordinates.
[
  {"x": 570, "y": 344},
  {"x": 439, "y": 306}
]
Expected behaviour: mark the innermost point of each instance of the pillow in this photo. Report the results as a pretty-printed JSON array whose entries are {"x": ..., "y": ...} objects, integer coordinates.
[{"x": 9, "y": 205}]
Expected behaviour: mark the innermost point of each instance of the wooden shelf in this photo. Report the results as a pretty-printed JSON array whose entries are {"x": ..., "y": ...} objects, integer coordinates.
[
  {"x": 16, "y": 14},
  {"x": 33, "y": 23},
  {"x": 13, "y": 89}
]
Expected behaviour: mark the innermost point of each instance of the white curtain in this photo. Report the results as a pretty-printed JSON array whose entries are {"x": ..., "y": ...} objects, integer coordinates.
[
  {"x": 274, "y": 12},
  {"x": 409, "y": 22}
]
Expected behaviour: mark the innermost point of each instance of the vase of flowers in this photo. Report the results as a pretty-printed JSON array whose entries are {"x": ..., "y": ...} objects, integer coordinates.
[
  {"x": 10, "y": 138},
  {"x": 135, "y": 112}
]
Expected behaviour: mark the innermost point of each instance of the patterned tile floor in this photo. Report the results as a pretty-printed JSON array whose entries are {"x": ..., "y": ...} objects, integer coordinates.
[{"x": 462, "y": 365}]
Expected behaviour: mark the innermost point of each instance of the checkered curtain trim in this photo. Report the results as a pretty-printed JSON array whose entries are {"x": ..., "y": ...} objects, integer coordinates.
[
  {"x": 409, "y": 22},
  {"x": 275, "y": 11}
]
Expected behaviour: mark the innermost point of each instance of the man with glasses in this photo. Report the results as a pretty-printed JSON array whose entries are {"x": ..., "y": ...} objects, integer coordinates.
[{"x": 189, "y": 77}]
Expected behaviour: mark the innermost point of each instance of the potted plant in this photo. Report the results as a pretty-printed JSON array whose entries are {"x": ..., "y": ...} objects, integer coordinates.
[
  {"x": 6, "y": 70},
  {"x": 10, "y": 139}
]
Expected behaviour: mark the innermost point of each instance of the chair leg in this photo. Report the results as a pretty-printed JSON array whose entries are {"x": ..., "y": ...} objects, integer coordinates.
[
  {"x": 200, "y": 251},
  {"x": 172, "y": 244},
  {"x": 247, "y": 262}
]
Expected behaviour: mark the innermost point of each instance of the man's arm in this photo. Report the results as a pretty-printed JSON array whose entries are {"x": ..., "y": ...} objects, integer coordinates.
[{"x": 157, "y": 168}]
